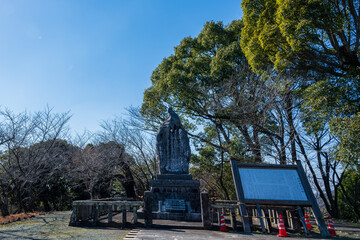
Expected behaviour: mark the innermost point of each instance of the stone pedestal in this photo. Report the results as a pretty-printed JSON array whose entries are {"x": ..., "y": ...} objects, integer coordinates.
[{"x": 178, "y": 187}]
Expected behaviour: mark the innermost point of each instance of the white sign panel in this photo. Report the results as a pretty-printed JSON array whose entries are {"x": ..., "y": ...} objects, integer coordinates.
[{"x": 272, "y": 184}]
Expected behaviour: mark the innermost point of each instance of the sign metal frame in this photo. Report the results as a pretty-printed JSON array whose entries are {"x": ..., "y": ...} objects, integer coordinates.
[{"x": 311, "y": 202}]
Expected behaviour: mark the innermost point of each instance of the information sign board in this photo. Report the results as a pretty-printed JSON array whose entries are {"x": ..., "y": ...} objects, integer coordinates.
[{"x": 272, "y": 184}]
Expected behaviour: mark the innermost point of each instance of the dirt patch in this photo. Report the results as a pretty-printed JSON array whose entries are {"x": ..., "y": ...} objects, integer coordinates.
[{"x": 18, "y": 217}]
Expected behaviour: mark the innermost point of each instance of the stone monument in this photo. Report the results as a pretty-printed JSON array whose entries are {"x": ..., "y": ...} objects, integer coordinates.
[
  {"x": 172, "y": 146},
  {"x": 174, "y": 194}
]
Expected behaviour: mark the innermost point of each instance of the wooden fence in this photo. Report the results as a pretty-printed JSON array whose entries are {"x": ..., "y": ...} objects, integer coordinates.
[{"x": 88, "y": 212}]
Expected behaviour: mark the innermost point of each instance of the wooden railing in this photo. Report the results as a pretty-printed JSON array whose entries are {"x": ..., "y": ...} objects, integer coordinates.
[{"x": 88, "y": 212}]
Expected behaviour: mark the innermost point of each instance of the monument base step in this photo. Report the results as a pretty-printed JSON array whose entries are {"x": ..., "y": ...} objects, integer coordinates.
[
  {"x": 189, "y": 217},
  {"x": 174, "y": 176}
]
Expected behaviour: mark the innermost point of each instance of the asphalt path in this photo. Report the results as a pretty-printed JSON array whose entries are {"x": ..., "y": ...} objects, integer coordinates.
[{"x": 194, "y": 234}]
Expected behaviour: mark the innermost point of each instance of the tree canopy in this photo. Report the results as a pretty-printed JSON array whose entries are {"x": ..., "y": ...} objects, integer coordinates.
[
  {"x": 208, "y": 80},
  {"x": 319, "y": 42},
  {"x": 317, "y": 36},
  {"x": 189, "y": 76}
]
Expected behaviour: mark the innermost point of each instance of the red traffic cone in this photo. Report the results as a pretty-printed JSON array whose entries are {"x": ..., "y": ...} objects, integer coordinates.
[
  {"x": 223, "y": 227},
  {"x": 331, "y": 227},
  {"x": 307, "y": 221},
  {"x": 282, "y": 231}
]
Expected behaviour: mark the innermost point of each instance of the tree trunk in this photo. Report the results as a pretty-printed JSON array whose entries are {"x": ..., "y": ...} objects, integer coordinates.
[
  {"x": 4, "y": 206},
  {"x": 257, "y": 145},
  {"x": 221, "y": 177},
  {"x": 290, "y": 119},
  {"x": 326, "y": 180},
  {"x": 282, "y": 157},
  {"x": 318, "y": 187},
  {"x": 47, "y": 207},
  {"x": 255, "y": 148},
  {"x": 128, "y": 182}
]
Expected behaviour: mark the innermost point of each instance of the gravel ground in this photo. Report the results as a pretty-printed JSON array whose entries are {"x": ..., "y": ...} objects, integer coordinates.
[{"x": 55, "y": 226}]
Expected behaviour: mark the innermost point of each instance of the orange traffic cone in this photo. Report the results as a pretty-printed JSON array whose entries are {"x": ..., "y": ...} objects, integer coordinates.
[
  {"x": 307, "y": 221},
  {"x": 223, "y": 227},
  {"x": 331, "y": 227},
  {"x": 282, "y": 231}
]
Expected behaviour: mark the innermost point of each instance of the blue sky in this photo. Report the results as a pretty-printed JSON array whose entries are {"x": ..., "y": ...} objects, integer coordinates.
[{"x": 93, "y": 58}]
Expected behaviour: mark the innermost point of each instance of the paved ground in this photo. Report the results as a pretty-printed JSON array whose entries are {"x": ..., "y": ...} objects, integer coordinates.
[
  {"x": 192, "y": 234},
  {"x": 171, "y": 230},
  {"x": 348, "y": 229},
  {"x": 55, "y": 226}
]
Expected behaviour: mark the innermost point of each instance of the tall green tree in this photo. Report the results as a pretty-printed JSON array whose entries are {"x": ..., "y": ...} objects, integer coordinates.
[
  {"x": 321, "y": 36},
  {"x": 335, "y": 104},
  {"x": 318, "y": 40},
  {"x": 208, "y": 80},
  {"x": 349, "y": 200}
]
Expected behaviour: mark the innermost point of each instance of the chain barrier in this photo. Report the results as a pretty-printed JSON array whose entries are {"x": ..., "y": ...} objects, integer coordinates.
[
  {"x": 237, "y": 215},
  {"x": 248, "y": 216}
]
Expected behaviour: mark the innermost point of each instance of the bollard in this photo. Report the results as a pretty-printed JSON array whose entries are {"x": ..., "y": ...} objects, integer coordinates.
[
  {"x": 148, "y": 209},
  {"x": 109, "y": 213},
  {"x": 135, "y": 214},
  {"x": 233, "y": 219},
  {"x": 95, "y": 214},
  {"x": 123, "y": 209},
  {"x": 205, "y": 210}
]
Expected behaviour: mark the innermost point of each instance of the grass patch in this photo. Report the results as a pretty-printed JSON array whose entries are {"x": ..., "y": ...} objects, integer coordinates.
[{"x": 55, "y": 226}]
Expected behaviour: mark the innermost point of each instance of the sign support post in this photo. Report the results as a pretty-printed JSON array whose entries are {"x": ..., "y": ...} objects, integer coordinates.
[
  {"x": 240, "y": 196},
  {"x": 315, "y": 207},
  {"x": 301, "y": 214},
  {"x": 258, "y": 209}
]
